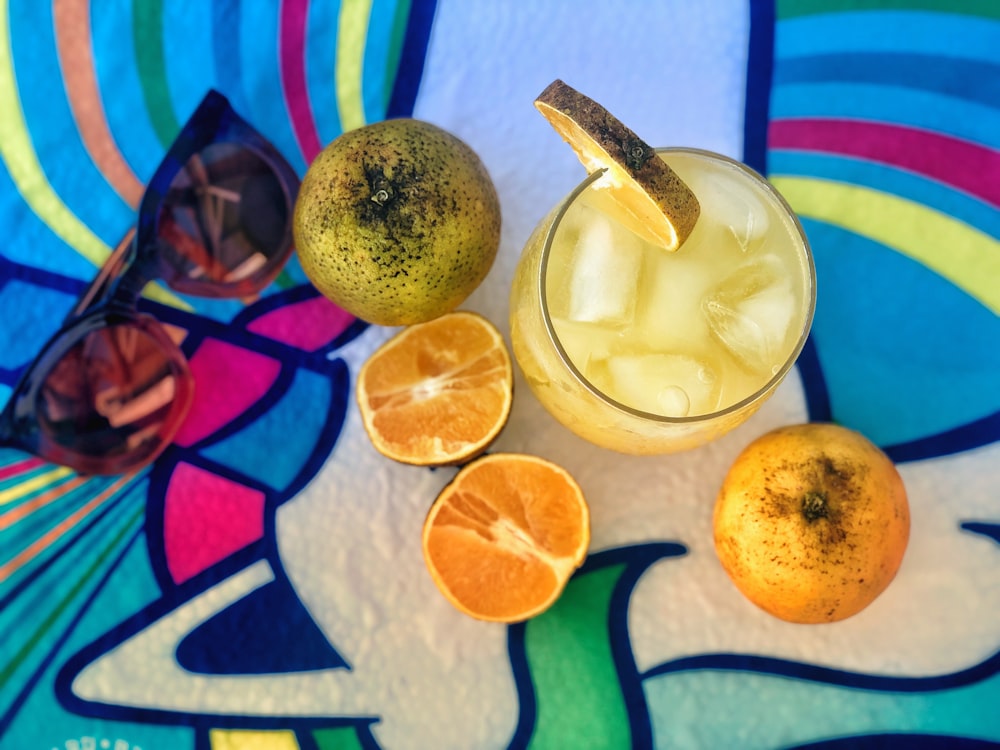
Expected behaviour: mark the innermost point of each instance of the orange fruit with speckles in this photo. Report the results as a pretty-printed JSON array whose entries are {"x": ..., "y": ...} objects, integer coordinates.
[
  {"x": 397, "y": 222},
  {"x": 812, "y": 522}
]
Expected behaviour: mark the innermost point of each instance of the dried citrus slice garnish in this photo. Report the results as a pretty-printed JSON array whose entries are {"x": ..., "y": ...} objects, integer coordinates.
[
  {"x": 653, "y": 200},
  {"x": 503, "y": 538},
  {"x": 437, "y": 393}
]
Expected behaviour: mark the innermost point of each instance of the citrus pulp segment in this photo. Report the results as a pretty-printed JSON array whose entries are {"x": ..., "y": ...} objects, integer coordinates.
[
  {"x": 438, "y": 392},
  {"x": 505, "y": 535}
]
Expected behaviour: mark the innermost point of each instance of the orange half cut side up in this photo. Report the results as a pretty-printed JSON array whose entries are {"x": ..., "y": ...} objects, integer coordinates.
[
  {"x": 503, "y": 538},
  {"x": 437, "y": 393}
]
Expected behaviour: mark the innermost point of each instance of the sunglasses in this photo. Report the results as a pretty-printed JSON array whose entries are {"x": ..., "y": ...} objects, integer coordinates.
[{"x": 110, "y": 389}]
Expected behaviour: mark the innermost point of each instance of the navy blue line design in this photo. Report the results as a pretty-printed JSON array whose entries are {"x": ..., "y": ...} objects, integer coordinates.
[
  {"x": 299, "y": 293},
  {"x": 636, "y": 560},
  {"x": 972, "y": 80},
  {"x": 817, "y": 393},
  {"x": 206, "y": 722},
  {"x": 275, "y": 393},
  {"x": 894, "y": 741},
  {"x": 962, "y": 438},
  {"x": 307, "y": 741},
  {"x": 10, "y": 269},
  {"x": 527, "y": 713},
  {"x": 366, "y": 738},
  {"x": 32, "y": 681},
  {"x": 827, "y": 675},
  {"x": 322, "y": 447},
  {"x": 159, "y": 479},
  {"x": 200, "y": 328},
  {"x": 760, "y": 63},
  {"x": 411, "y": 59},
  {"x": 991, "y": 530},
  {"x": 268, "y": 631},
  {"x": 171, "y": 599},
  {"x": 174, "y": 594}
]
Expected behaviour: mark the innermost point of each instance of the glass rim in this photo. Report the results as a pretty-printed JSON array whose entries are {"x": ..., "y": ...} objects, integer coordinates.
[{"x": 757, "y": 395}]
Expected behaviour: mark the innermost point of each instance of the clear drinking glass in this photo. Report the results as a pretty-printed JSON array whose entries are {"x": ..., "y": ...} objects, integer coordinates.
[{"x": 644, "y": 351}]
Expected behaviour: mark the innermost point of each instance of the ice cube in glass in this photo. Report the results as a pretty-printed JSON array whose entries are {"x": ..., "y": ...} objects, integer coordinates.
[
  {"x": 673, "y": 385},
  {"x": 604, "y": 274},
  {"x": 750, "y": 312}
]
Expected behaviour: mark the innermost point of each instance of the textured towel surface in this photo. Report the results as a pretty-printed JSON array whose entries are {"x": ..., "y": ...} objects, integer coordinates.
[{"x": 261, "y": 585}]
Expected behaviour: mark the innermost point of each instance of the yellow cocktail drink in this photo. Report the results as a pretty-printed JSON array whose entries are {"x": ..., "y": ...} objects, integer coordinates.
[{"x": 643, "y": 350}]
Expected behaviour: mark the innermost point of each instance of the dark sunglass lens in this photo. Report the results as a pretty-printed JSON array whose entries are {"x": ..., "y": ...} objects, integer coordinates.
[
  {"x": 263, "y": 214},
  {"x": 226, "y": 217},
  {"x": 112, "y": 394}
]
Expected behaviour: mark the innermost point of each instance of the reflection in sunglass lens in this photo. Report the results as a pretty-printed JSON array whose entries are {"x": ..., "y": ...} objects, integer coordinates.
[
  {"x": 111, "y": 394},
  {"x": 226, "y": 216}
]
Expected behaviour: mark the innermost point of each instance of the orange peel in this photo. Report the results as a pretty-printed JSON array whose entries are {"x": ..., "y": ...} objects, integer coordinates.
[{"x": 655, "y": 202}]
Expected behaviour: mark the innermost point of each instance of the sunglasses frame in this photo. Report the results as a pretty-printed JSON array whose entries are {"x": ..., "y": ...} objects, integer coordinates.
[{"x": 112, "y": 298}]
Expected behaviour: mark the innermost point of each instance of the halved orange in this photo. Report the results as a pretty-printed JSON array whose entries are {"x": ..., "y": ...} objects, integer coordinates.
[
  {"x": 504, "y": 537},
  {"x": 652, "y": 199},
  {"x": 439, "y": 392}
]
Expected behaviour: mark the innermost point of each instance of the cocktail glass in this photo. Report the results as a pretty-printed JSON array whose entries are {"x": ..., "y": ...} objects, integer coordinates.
[{"x": 644, "y": 351}]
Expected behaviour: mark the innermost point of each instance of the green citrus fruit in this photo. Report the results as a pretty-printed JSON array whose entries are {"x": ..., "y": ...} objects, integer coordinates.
[{"x": 397, "y": 222}]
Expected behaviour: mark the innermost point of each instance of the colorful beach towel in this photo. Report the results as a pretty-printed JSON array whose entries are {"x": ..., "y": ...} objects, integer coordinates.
[{"x": 261, "y": 585}]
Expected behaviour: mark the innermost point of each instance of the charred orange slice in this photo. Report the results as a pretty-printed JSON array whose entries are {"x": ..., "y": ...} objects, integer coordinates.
[{"x": 652, "y": 199}]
